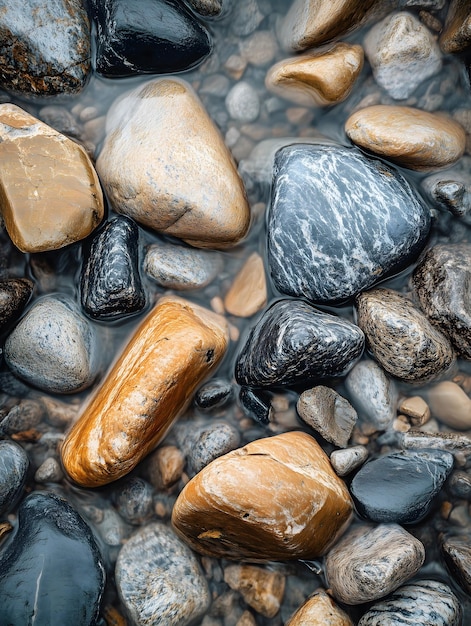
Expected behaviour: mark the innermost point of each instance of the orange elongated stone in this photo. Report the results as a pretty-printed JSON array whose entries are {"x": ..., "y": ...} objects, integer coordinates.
[
  {"x": 276, "y": 498},
  {"x": 177, "y": 345}
]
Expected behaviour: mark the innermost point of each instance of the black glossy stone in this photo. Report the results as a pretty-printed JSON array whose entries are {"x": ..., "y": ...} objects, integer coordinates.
[
  {"x": 44, "y": 46},
  {"x": 14, "y": 295},
  {"x": 147, "y": 36},
  {"x": 339, "y": 222},
  {"x": 14, "y": 465},
  {"x": 295, "y": 343},
  {"x": 111, "y": 286},
  {"x": 400, "y": 487},
  {"x": 256, "y": 404},
  {"x": 457, "y": 554},
  {"x": 213, "y": 394},
  {"x": 51, "y": 572}
]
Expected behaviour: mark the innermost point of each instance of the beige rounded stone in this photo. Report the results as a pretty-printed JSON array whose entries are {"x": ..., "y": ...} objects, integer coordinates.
[
  {"x": 50, "y": 195},
  {"x": 319, "y": 610},
  {"x": 276, "y": 498},
  {"x": 177, "y": 345},
  {"x": 416, "y": 409},
  {"x": 261, "y": 589},
  {"x": 317, "y": 78},
  {"x": 450, "y": 404},
  {"x": 164, "y": 164},
  {"x": 248, "y": 292},
  {"x": 412, "y": 138}
]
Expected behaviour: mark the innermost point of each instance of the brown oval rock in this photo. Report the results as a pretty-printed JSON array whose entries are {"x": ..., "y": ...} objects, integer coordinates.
[
  {"x": 248, "y": 292},
  {"x": 175, "y": 348},
  {"x": 413, "y": 138},
  {"x": 319, "y": 610},
  {"x": 322, "y": 79},
  {"x": 401, "y": 338},
  {"x": 50, "y": 195},
  {"x": 187, "y": 185},
  {"x": 450, "y": 404},
  {"x": 274, "y": 499}
]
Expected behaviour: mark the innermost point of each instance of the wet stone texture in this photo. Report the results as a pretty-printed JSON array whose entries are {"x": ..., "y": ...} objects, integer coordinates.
[
  {"x": 14, "y": 295},
  {"x": 14, "y": 465}
]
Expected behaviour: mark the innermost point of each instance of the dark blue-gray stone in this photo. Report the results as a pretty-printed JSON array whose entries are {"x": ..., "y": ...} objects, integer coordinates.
[
  {"x": 401, "y": 486},
  {"x": 14, "y": 465},
  {"x": 147, "y": 36},
  {"x": 295, "y": 343},
  {"x": 51, "y": 571},
  {"x": 111, "y": 286},
  {"x": 339, "y": 222}
]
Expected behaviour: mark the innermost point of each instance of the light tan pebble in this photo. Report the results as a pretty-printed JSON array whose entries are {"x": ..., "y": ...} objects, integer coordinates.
[
  {"x": 60, "y": 414},
  {"x": 232, "y": 137},
  {"x": 280, "y": 403},
  {"x": 456, "y": 35},
  {"x": 400, "y": 426},
  {"x": 415, "y": 139},
  {"x": 261, "y": 589},
  {"x": 248, "y": 292},
  {"x": 430, "y": 21},
  {"x": 49, "y": 472},
  {"x": 416, "y": 409},
  {"x": 235, "y": 66},
  {"x": 299, "y": 115},
  {"x": 217, "y": 304},
  {"x": 188, "y": 185},
  {"x": 160, "y": 510},
  {"x": 135, "y": 405},
  {"x": 319, "y": 610},
  {"x": 88, "y": 113},
  {"x": 464, "y": 381},
  {"x": 257, "y": 132},
  {"x": 259, "y": 49},
  {"x": 450, "y": 405},
  {"x": 402, "y": 53},
  {"x": 94, "y": 130},
  {"x": 317, "y": 78},
  {"x": 347, "y": 460},
  {"x": 166, "y": 466},
  {"x": 234, "y": 333},
  {"x": 38, "y": 216},
  {"x": 432, "y": 426},
  {"x": 246, "y": 619},
  {"x": 257, "y": 502}
]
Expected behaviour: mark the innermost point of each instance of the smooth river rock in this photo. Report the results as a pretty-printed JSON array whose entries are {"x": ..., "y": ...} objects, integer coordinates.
[
  {"x": 176, "y": 346},
  {"x": 370, "y": 562},
  {"x": 276, "y": 498},
  {"x": 422, "y": 602},
  {"x": 442, "y": 283},
  {"x": 110, "y": 282},
  {"x": 159, "y": 579},
  {"x": 54, "y": 347},
  {"x": 188, "y": 185},
  {"x": 14, "y": 465},
  {"x": 413, "y": 138},
  {"x": 14, "y": 295},
  {"x": 339, "y": 222},
  {"x": 400, "y": 486},
  {"x": 319, "y": 610},
  {"x": 154, "y": 36},
  {"x": 402, "y": 339},
  {"x": 347, "y": 460},
  {"x": 45, "y": 47},
  {"x": 52, "y": 572},
  {"x": 457, "y": 554},
  {"x": 50, "y": 193},
  {"x": 295, "y": 343},
  {"x": 450, "y": 404},
  {"x": 248, "y": 293}
]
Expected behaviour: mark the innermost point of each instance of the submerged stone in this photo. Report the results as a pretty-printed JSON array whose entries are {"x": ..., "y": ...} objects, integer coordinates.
[
  {"x": 14, "y": 295},
  {"x": 339, "y": 222},
  {"x": 14, "y": 465},
  {"x": 457, "y": 554}
]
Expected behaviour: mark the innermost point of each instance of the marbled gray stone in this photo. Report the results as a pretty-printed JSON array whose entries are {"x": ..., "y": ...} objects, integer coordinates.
[
  {"x": 345, "y": 461},
  {"x": 159, "y": 580},
  {"x": 339, "y": 222},
  {"x": 370, "y": 562},
  {"x": 295, "y": 343},
  {"x": 134, "y": 500},
  {"x": 14, "y": 465},
  {"x": 424, "y": 602}
]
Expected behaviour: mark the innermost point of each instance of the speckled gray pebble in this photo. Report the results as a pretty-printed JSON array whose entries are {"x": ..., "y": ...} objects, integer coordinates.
[
  {"x": 370, "y": 562},
  {"x": 328, "y": 413},
  {"x": 134, "y": 500},
  {"x": 13, "y": 468},
  {"x": 373, "y": 394},
  {"x": 402, "y": 339},
  {"x": 243, "y": 103},
  {"x": 345, "y": 461},
  {"x": 182, "y": 268},
  {"x": 159, "y": 579},
  {"x": 424, "y": 603}
]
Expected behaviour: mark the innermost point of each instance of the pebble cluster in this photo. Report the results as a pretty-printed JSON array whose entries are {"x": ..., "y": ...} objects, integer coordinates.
[{"x": 235, "y": 312}]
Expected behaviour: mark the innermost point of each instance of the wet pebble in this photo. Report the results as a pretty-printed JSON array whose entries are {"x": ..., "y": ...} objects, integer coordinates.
[
  {"x": 370, "y": 562},
  {"x": 459, "y": 485},
  {"x": 457, "y": 554},
  {"x": 248, "y": 292},
  {"x": 319, "y": 610},
  {"x": 133, "y": 500},
  {"x": 165, "y": 466},
  {"x": 345, "y": 461},
  {"x": 262, "y": 589},
  {"x": 295, "y": 343},
  {"x": 14, "y": 465},
  {"x": 159, "y": 579},
  {"x": 49, "y": 471},
  {"x": 256, "y": 403},
  {"x": 421, "y": 602},
  {"x": 14, "y": 295},
  {"x": 243, "y": 103},
  {"x": 400, "y": 486},
  {"x": 318, "y": 222},
  {"x": 208, "y": 8},
  {"x": 450, "y": 404},
  {"x": 25, "y": 415},
  {"x": 213, "y": 394}
]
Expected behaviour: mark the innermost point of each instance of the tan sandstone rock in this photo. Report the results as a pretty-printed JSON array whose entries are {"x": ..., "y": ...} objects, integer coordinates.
[
  {"x": 261, "y": 589},
  {"x": 248, "y": 292},
  {"x": 317, "y": 78},
  {"x": 177, "y": 345},
  {"x": 50, "y": 195},
  {"x": 413, "y": 138},
  {"x": 165, "y": 164},
  {"x": 450, "y": 404},
  {"x": 319, "y": 610},
  {"x": 276, "y": 498}
]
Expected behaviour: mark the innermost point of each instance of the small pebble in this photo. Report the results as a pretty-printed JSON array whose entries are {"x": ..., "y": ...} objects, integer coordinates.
[
  {"x": 319, "y": 610},
  {"x": 206, "y": 443},
  {"x": 213, "y": 394},
  {"x": 459, "y": 485},
  {"x": 248, "y": 292},
  {"x": 49, "y": 471},
  {"x": 450, "y": 404},
  {"x": 416, "y": 409},
  {"x": 259, "y": 49},
  {"x": 165, "y": 466},
  {"x": 345, "y": 461},
  {"x": 262, "y": 589},
  {"x": 457, "y": 554},
  {"x": 256, "y": 403},
  {"x": 243, "y": 103},
  {"x": 134, "y": 500},
  {"x": 14, "y": 465}
]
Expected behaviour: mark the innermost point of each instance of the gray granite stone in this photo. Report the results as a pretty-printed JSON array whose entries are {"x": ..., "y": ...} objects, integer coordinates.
[
  {"x": 339, "y": 222},
  {"x": 133, "y": 500},
  {"x": 243, "y": 103}
]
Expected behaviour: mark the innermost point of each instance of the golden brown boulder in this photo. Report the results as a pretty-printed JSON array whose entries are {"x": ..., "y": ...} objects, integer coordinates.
[
  {"x": 411, "y": 137},
  {"x": 175, "y": 348},
  {"x": 50, "y": 195},
  {"x": 320, "y": 610},
  {"x": 274, "y": 499},
  {"x": 164, "y": 163},
  {"x": 320, "y": 79}
]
